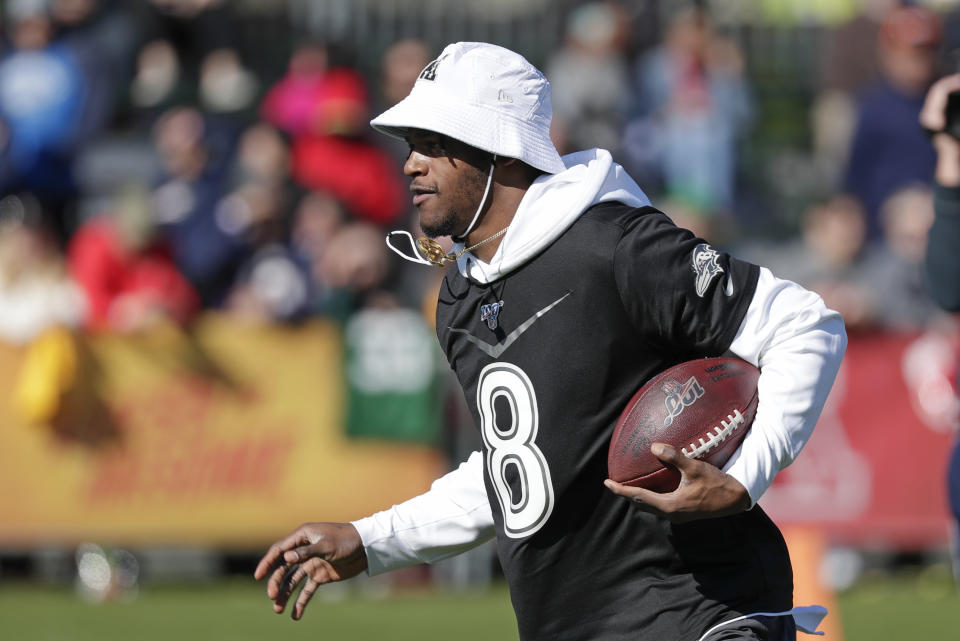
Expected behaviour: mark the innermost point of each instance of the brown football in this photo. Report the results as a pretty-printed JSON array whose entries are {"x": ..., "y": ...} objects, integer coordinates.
[{"x": 702, "y": 407}]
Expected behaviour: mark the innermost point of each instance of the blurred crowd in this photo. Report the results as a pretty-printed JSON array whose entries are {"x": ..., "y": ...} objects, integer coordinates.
[{"x": 147, "y": 172}]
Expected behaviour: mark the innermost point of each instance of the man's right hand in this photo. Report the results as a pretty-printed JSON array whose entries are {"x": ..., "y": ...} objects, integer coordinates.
[{"x": 313, "y": 554}]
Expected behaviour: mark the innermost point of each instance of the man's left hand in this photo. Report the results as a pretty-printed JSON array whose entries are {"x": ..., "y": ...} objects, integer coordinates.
[{"x": 705, "y": 491}]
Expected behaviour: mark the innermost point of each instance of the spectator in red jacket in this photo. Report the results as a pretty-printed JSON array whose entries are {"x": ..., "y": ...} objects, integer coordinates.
[
  {"x": 126, "y": 270},
  {"x": 325, "y": 111},
  {"x": 291, "y": 101}
]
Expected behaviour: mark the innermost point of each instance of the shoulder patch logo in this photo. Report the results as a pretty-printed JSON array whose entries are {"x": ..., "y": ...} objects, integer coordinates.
[
  {"x": 490, "y": 313},
  {"x": 705, "y": 267}
]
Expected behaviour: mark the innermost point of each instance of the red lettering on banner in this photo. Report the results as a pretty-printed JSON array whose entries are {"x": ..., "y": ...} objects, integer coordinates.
[
  {"x": 117, "y": 473},
  {"x": 175, "y": 447},
  {"x": 181, "y": 404},
  {"x": 246, "y": 466}
]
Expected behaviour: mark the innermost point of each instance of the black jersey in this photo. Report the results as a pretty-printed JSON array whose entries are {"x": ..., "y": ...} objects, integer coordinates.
[{"x": 548, "y": 356}]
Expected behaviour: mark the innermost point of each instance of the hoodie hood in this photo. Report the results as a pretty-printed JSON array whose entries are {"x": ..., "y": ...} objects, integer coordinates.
[{"x": 550, "y": 206}]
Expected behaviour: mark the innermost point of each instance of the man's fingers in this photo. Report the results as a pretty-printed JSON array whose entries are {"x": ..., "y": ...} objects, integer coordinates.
[
  {"x": 267, "y": 563},
  {"x": 275, "y": 582},
  {"x": 643, "y": 497},
  {"x": 287, "y": 585},
  {"x": 621, "y": 489},
  {"x": 671, "y": 456},
  {"x": 665, "y": 505},
  {"x": 274, "y": 555},
  {"x": 271, "y": 568},
  {"x": 304, "y": 598},
  {"x": 305, "y": 561},
  {"x": 290, "y": 558},
  {"x": 304, "y": 553}
]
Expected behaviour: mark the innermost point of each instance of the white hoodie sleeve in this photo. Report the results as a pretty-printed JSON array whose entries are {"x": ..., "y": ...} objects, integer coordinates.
[
  {"x": 450, "y": 518},
  {"x": 797, "y": 342}
]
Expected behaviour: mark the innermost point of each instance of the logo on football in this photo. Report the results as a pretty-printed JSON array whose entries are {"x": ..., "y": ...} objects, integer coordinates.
[{"x": 680, "y": 396}]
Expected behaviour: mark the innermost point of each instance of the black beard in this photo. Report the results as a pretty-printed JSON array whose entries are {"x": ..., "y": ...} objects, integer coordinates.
[
  {"x": 474, "y": 184},
  {"x": 444, "y": 228}
]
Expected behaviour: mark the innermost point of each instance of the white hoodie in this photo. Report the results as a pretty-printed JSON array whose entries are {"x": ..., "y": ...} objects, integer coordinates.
[
  {"x": 552, "y": 203},
  {"x": 787, "y": 332}
]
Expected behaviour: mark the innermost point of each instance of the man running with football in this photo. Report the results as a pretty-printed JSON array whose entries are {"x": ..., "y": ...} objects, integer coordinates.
[{"x": 565, "y": 291}]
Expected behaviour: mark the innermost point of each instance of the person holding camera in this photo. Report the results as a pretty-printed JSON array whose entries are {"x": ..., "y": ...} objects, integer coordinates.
[{"x": 940, "y": 117}]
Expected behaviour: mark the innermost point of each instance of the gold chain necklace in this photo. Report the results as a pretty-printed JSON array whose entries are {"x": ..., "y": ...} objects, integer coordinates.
[{"x": 434, "y": 253}]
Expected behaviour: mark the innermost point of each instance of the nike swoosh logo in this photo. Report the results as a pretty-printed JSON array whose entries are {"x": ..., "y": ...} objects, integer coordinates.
[{"x": 494, "y": 351}]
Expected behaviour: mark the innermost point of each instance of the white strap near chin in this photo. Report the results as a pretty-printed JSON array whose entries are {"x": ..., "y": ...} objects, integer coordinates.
[
  {"x": 483, "y": 201},
  {"x": 415, "y": 257},
  {"x": 806, "y": 618}
]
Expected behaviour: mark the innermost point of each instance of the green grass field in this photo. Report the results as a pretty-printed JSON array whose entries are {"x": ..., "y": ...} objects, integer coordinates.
[{"x": 900, "y": 608}]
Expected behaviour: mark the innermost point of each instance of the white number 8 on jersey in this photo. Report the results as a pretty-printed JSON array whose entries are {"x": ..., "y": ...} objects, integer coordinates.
[{"x": 510, "y": 447}]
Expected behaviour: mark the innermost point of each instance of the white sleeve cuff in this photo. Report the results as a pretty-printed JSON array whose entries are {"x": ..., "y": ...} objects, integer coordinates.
[
  {"x": 450, "y": 518},
  {"x": 798, "y": 343}
]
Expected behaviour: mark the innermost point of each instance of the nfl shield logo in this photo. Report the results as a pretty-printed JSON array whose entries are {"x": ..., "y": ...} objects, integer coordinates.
[{"x": 490, "y": 313}]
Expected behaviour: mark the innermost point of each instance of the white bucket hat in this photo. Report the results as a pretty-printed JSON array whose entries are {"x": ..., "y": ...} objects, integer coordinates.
[{"x": 485, "y": 96}]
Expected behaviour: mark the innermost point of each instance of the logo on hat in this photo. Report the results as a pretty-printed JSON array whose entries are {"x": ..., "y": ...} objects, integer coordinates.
[{"x": 430, "y": 71}]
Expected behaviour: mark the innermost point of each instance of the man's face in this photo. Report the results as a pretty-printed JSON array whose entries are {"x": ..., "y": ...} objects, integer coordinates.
[{"x": 449, "y": 179}]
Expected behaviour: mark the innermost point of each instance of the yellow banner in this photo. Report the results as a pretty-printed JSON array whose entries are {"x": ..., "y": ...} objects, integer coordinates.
[{"x": 229, "y": 435}]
